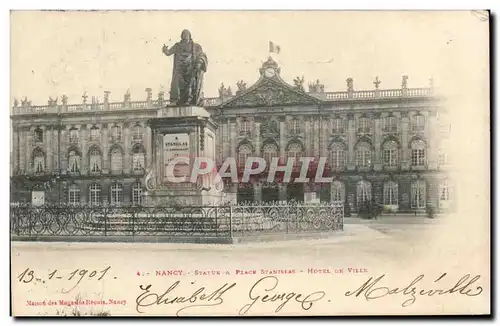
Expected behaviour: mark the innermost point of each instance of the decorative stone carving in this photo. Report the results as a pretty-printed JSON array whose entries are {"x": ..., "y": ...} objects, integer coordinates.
[
  {"x": 299, "y": 83},
  {"x": 225, "y": 92},
  {"x": 316, "y": 87},
  {"x": 404, "y": 83},
  {"x": 242, "y": 87},
  {"x": 376, "y": 82},
  {"x": 350, "y": 84},
  {"x": 268, "y": 94},
  {"x": 52, "y": 102}
]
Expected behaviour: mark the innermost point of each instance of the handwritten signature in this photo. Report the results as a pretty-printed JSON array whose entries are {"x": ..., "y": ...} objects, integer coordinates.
[
  {"x": 201, "y": 297},
  {"x": 269, "y": 284},
  {"x": 371, "y": 289}
]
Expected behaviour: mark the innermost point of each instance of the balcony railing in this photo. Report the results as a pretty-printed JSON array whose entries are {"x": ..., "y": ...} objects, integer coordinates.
[{"x": 216, "y": 101}]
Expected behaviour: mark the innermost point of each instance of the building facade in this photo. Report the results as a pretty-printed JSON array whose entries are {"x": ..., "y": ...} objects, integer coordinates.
[{"x": 385, "y": 145}]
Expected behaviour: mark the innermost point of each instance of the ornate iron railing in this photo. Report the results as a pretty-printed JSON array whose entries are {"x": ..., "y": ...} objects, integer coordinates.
[{"x": 195, "y": 221}]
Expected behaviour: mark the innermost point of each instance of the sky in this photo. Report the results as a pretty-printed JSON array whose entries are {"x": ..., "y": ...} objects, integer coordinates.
[{"x": 56, "y": 53}]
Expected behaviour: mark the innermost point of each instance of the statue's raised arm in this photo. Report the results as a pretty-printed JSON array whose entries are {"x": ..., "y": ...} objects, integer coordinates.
[{"x": 190, "y": 63}]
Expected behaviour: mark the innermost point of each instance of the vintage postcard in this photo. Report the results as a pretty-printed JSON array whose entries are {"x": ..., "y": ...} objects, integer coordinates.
[{"x": 249, "y": 163}]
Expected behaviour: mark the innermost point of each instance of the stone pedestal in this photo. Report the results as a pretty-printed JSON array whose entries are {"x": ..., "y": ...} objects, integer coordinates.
[{"x": 188, "y": 133}]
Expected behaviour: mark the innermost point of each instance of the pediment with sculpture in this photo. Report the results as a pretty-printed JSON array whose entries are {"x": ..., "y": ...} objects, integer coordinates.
[{"x": 270, "y": 90}]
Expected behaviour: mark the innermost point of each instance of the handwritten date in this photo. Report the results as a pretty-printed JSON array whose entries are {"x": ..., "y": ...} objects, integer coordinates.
[{"x": 76, "y": 276}]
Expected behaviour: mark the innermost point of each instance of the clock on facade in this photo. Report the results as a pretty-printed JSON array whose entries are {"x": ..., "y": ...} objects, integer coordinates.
[{"x": 269, "y": 72}]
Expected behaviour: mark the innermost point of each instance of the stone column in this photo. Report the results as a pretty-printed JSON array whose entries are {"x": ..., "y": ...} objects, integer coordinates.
[
  {"x": 351, "y": 140},
  {"x": 105, "y": 147},
  {"x": 126, "y": 148},
  {"x": 309, "y": 193},
  {"x": 55, "y": 141},
  {"x": 308, "y": 140},
  {"x": 257, "y": 139},
  {"x": 282, "y": 191},
  {"x": 82, "y": 139},
  {"x": 29, "y": 150},
  {"x": 257, "y": 192},
  {"x": 405, "y": 132},
  {"x": 431, "y": 133},
  {"x": 233, "y": 137},
  {"x": 63, "y": 157},
  {"x": 48, "y": 149},
  {"x": 148, "y": 144},
  {"x": 377, "y": 136},
  {"x": 315, "y": 137},
  {"x": 282, "y": 126}
]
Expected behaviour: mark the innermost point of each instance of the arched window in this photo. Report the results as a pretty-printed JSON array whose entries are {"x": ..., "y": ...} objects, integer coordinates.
[
  {"x": 137, "y": 132},
  {"x": 95, "y": 194},
  {"x": 418, "y": 153},
  {"x": 74, "y": 161},
  {"x": 138, "y": 159},
  {"x": 95, "y": 160},
  {"x": 38, "y": 160},
  {"x": 363, "y": 191},
  {"x": 268, "y": 152},
  {"x": 363, "y": 155},
  {"x": 73, "y": 194},
  {"x": 418, "y": 194},
  {"x": 390, "y": 193},
  {"x": 245, "y": 128},
  {"x": 337, "y": 156},
  {"x": 337, "y": 191},
  {"x": 294, "y": 152},
  {"x": 390, "y": 153},
  {"x": 116, "y": 161},
  {"x": 136, "y": 193},
  {"x": 116, "y": 194},
  {"x": 243, "y": 152}
]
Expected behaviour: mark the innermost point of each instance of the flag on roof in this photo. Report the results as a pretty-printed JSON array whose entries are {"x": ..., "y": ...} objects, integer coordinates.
[{"x": 274, "y": 48}]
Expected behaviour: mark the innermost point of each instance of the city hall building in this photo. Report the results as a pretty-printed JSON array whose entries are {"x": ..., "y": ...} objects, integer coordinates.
[{"x": 384, "y": 145}]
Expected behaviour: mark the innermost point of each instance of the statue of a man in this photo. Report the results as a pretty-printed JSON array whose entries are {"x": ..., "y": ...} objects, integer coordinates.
[{"x": 190, "y": 63}]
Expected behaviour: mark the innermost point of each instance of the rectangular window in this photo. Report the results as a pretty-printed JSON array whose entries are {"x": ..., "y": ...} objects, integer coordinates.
[
  {"x": 418, "y": 195},
  {"x": 95, "y": 134},
  {"x": 245, "y": 128},
  {"x": 73, "y": 136},
  {"x": 137, "y": 194},
  {"x": 137, "y": 133},
  {"x": 338, "y": 127},
  {"x": 294, "y": 126},
  {"x": 95, "y": 195},
  {"x": 364, "y": 125},
  {"x": 418, "y": 123},
  {"x": 390, "y": 124},
  {"x": 74, "y": 196},
  {"x": 116, "y": 195},
  {"x": 390, "y": 194},
  {"x": 116, "y": 133}
]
